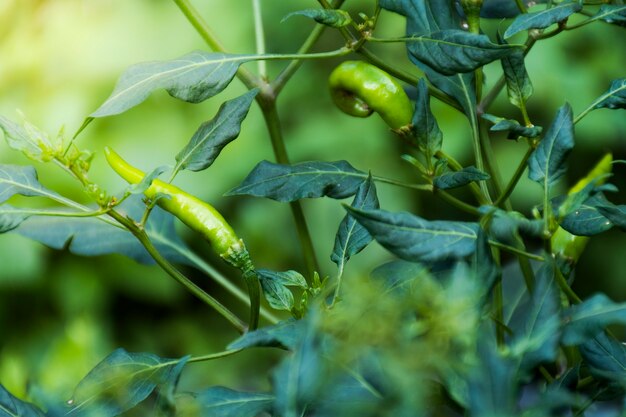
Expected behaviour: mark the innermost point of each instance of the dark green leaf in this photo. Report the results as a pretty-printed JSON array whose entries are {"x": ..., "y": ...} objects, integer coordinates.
[
  {"x": 506, "y": 226},
  {"x": 11, "y": 217},
  {"x": 224, "y": 402},
  {"x": 513, "y": 127},
  {"x": 587, "y": 220},
  {"x": 194, "y": 77},
  {"x": 484, "y": 265},
  {"x": 547, "y": 163},
  {"x": 459, "y": 178},
  {"x": 611, "y": 13},
  {"x": 11, "y": 406},
  {"x": 615, "y": 214},
  {"x": 287, "y": 278},
  {"x": 584, "y": 321},
  {"x": 212, "y": 136},
  {"x": 304, "y": 180},
  {"x": 277, "y": 295},
  {"x": 424, "y": 126},
  {"x": 400, "y": 275},
  {"x": 352, "y": 238},
  {"x": 605, "y": 357},
  {"x": 121, "y": 381},
  {"x": 415, "y": 239},
  {"x": 543, "y": 19},
  {"x": 518, "y": 85},
  {"x": 285, "y": 334},
  {"x": 503, "y": 9},
  {"x": 27, "y": 139},
  {"x": 22, "y": 180},
  {"x": 615, "y": 96},
  {"x": 332, "y": 18}
]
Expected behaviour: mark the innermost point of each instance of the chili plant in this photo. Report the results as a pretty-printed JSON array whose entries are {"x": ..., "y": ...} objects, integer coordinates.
[{"x": 474, "y": 317}]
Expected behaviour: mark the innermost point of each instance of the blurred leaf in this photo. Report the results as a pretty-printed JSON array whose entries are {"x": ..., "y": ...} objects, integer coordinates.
[
  {"x": 349, "y": 394},
  {"x": 304, "y": 180},
  {"x": 285, "y": 334},
  {"x": 424, "y": 126},
  {"x": 224, "y": 402},
  {"x": 585, "y": 320},
  {"x": 506, "y": 226},
  {"x": 275, "y": 289},
  {"x": 453, "y": 51},
  {"x": 121, "y": 381},
  {"x": 605, "y": 358},
  {"x": 615, "y": 96},
  {"x": 22, "y": 180},
  {"x": 415, "y": 239},
  {"x": 352, "y": 238},
  {"x": 544, "y": 18},
  {"x": 547, "y": 163},
  {"x": 611, "y": 13},
  {"x": 212, "y": 136},
  {"x": 398, "y": 275},
  {"x": 11, "y": 406},
  {"x": 512, "y": 126},
  {"x": 503, "y": 9},
  {"x": 484, "y": 265},
  {"x": 587, "y": 220},
  {"x": 194, "y": 78},
  {"x": 459, "y": 178},
  {"x": 27, "y": 139},
  {"x": 615, "y": 214},
  {"x": 332, "y": 18},
  {"x": 88, "y": 236},
  {"x": 11, "y": 217}
]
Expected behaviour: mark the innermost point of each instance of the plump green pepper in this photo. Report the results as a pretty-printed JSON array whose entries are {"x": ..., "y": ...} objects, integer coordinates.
[
  {"x": 566, "y": 246},
  {"x": 359, "y": 89}
]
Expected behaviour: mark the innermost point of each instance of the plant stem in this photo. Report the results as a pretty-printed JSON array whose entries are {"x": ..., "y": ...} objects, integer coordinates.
[
  {"x": 567, "y": 290},
  {"x": 455, "y": 165},
  {"x": 516, "y": 251},
  {"x": 143, "y": 238},
  {"x": 515, "y": 179},
  {"x": 212, "y": 356},
  {"x": 456, "y": 202},
  {"x": 259, "y": 36}
]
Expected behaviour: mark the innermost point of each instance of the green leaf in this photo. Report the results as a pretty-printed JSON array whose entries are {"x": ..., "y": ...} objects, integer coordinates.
[
  {"x": 503, "y": 9},
  {"x": 286, "y": 278},
  {"x": 547, "y": 162},
  {"x": 605, "y": 357},
  {"x": 544, "y": 18},
  {"x": 212, "y": 136},
  {"x": 585, "y": 320},
  {"x": 225, "y": 402},
  {"x": 11, "y": 406},
  {"x": 27, "y": 139},
  {"x": 459, "y": 178},
  {"x": 506, "y": 226},
  {"x": 611, "y": 13},
  {"x": 304, "y": 180},
  {"x": 615, "y": 96},
  {"x": 285, "y": 334},
  {"x": 99, "y": 236},
  {"x": 352, "y": 238},
  {"x": 275, "y": 289},
  {"x": 121, "y": 381},
  {"x": 587, "y": 220},
  {"x": 453, "y": 51},
  {"x": 332, "y": 18},
  {"x": 485, "y": 268},
  {"x": 536, "y": 326},
  {"x": 518, "y": 85},
  {"x": 415, "y": 239},
  {"x": 428, "y": 137},
  {"x": 615, "y": 214},
  {"x": 11, "y": 217},
  {"x": 22, "y": 180},
  {"x": 194, "y": 78},
  {"x": 512, "y": 126}
]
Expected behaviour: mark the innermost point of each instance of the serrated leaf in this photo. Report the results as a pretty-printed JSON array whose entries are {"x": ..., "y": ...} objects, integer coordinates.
[
  {"x": 459, "y": 178},
  {"x": 615, "y": 214},
  {"x": 615, "y": 96},
  {"x": 513, "y": 127},
  {"x": 22, "y": 180},
  {"x": 26, "y": 138},
  {"x": 605, "y": 357},
  {"x": 11, "y": 217},
  {"x": 587, "y": 220},
  {"x": 585, "y": 320},
  {"x": 212, "y": 136},
  {"x": 547, "y": 162},
  {"x": 428, "y": 137},
  {"x": 285, "y": 334},
  {"x": 11, "y": 406},
  {"x": 194, "y": 78},
  {"x": 91, "y": 236},
  {"x": 453, "y": 51},
  {"x": 225, "y": 402},
  {"x": 415, "y": 239},
  {"x": 543, "y": 19},
  {"x": 304, "y": 180},
  {"x": 332, "y": 18},
  {"x": 121, "y": 381},
  {"x": 518, "y": 85},
  {"x": 351, "y": 237}
]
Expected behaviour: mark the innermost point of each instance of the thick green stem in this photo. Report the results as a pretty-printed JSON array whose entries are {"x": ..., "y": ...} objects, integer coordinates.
[{"x": 259, "y": 36}]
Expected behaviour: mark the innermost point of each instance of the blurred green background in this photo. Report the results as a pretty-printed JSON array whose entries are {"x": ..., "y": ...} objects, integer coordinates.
[{"x": 59, "y": 60}]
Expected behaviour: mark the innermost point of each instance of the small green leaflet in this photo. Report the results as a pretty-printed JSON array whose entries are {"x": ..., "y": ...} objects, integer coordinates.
[
  {"x": 274, "y": 285},
  {"x": 11, "y": 406},
  {"x": 514, "y": 128},
  {"x": 194, "y": 78},
  {"x": 614, "y": 97},
  {"x": 26, "y": 139},
  {"x": 351, "y": 238},
  {"x": 332, "y": 18},
  {"x": 415, "y": 239},
  {"x": 225, "y": 402},
  {"x": 455, "y": 51},
  {"x": 543, "y": 19},
  {"x": 304, "y": 180},
  {"x": 426, "y": 132},
  {"x": 518, "y": 85},
  {"x": 212, "y": 136},
  {"x": 459, "y": 178},
  {"x": 587, "y": 220},
  {"x": 121, "y": 381},
  {"x": 285, "y": 334},
  {"x": 547, "y": 163},
  {"x": 605, "y": 357},
  {"x": 585, "y": 320},
  {"x": 22, "y": 180}
]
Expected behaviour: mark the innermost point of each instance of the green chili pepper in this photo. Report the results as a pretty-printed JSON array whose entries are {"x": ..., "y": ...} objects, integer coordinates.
[
  {"x": 566, "y": 246},
  {"x": 359, "y": 89},
  {"x": 199, "y": 216}
]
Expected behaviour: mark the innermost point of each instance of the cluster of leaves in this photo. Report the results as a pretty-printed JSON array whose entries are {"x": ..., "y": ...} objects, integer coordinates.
[{"x": 446, "y": 331}]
